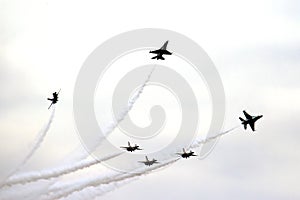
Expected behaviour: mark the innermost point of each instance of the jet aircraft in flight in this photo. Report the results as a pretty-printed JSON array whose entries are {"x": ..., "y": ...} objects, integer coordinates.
[
  {"x": 249, "y": 120},
  {"x": 160, "y": 52},
  {"x": 149, "y": 162},
  {"x": 131, "y": 148}
]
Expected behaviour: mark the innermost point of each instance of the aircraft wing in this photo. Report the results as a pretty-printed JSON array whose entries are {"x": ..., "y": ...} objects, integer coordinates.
[
  {"x": 247, "y": 115},
  {"x": 252, "y": 126},
  {"x": 167, "y": 52},
  {"x": 158, "y": 51}
]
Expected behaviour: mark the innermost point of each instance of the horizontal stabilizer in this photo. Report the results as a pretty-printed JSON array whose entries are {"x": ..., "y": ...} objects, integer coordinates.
[{"x": 158, "y": 57}]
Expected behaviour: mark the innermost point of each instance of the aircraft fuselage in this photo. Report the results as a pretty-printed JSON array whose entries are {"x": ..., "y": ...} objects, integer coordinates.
[
  {"x": 187, "y": 155},
  {"x": 131, "y": 149}
]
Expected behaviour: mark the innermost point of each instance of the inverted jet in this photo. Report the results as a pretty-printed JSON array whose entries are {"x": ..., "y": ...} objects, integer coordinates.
[{"x": 53, "y": 100}]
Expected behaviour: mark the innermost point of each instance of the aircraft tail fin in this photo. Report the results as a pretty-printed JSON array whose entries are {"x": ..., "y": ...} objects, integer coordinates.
[
  {"x": 243, "y": 122},
  {"x": 164, "y": 47}
]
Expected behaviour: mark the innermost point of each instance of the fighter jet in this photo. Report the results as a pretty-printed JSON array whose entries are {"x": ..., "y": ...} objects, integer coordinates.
[
  {"x": 149, "y": 162},
  {"x": 249, "y": 120},
  {"x": 130, "y": 148},
  {"x": 186, "y": 154},
  {"x": 160, "y": 52},
  {"x": 54, "y": 99}
]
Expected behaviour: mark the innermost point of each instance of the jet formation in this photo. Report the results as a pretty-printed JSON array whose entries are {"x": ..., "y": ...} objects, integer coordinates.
[{"x": 250, "y": 120}]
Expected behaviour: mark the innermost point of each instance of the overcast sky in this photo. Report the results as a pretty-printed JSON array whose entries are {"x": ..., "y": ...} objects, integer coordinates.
[{"x": 255, "y": 46}]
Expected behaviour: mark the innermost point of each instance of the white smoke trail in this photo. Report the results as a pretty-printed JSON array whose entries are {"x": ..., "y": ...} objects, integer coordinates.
[
  {"x": 197, "y": 143},
  {"x": 37, "y": 143},
  {"x": 52, "y": 173},
  {"x": 131, "y": 102},
  {"x": 38, "y": 140},
  {"x": 100, "y": 191},
  {"x": 93, "y": 193},
  {"x": 99, "y": 181},
  {"x": 117, "y": 178}
]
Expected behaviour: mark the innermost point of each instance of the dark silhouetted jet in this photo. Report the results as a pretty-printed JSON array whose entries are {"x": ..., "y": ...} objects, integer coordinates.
[
  {"x": 149, "y": 162},
  {"x": 54, "y": 99},
  {"x": 249, "y": 120},
  {"x": 130, "y": 148},
  {"x": 160, "y": 52},
  {"x": 186, "y": 154}
]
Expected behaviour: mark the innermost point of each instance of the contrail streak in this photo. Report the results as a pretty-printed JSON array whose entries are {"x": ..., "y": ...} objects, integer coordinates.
[
  {"x": 197, "y": 143},
  {"x": 52, "y": 173},
  {"x": 99, "y": 181},
  {"x": 38, "y": 140},
  {"x": 100, "y": 191},
  {"x": 37, "y": 143},
  {"x": 131, "y": 103}
]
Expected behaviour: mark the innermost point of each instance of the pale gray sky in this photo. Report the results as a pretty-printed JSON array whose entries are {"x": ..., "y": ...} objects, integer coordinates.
[{"x": 255, "y": 45}]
